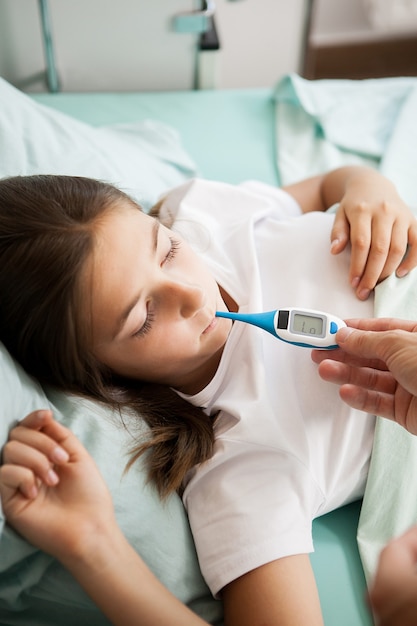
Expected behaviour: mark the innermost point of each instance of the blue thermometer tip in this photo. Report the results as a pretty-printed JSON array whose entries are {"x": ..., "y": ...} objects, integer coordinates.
[{"x": 262, "y": 320}]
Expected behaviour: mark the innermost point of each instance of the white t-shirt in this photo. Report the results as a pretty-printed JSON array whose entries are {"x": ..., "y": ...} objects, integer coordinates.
[{"x": 287, "y": 448}]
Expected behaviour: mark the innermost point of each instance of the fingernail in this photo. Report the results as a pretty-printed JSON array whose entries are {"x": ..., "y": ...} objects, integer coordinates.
[
  {"x": 334, "y": 244},
  {"x": 52, "y": 477},
  {"x": 363, "y": 294},
  {"x": 355, "y": 281},
  {"x": 42, "y": 414},
  {"x": 402, "y": 272},
  {"x": 59, "y": 455},
  {"x": 33, "y": 492}
]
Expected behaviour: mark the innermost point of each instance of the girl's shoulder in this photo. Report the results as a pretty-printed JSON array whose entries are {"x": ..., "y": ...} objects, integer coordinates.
[{"x": 224, "y": 203}]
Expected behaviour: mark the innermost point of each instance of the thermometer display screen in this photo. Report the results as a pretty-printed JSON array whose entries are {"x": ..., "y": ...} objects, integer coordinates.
[{"x": 307, "y": 325}]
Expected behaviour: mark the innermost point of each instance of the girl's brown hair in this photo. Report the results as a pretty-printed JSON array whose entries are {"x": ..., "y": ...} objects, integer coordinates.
[{"x": 47, "y": 233}]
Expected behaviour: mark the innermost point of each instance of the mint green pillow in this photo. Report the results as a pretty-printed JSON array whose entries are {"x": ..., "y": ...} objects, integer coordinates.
[
  {"x": 144, "y": 159},
  {"x": 34, "y": 588}
]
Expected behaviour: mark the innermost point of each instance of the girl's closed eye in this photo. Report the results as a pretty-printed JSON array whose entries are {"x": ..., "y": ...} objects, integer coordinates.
[
  {"x": 174, "y": 247},
  {"x": 150, "y": 316},
  {"x": 146, "y": 326}
]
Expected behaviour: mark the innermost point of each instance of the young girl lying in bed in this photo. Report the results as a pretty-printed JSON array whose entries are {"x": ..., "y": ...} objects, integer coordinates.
[{"x": 101, "y": 299}]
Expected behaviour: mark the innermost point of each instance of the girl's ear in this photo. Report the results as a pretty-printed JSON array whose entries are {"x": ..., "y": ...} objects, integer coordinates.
[{"x": 155, "y": 211}]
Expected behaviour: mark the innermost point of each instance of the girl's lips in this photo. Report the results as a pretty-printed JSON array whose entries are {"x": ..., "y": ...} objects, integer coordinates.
[{"x": 210, "y": 326}]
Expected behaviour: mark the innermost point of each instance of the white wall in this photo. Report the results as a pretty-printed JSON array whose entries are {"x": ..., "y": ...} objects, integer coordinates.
[
  {"x": 261, "y": 40},
  {"x": 336, "y": 20},
  {"x": 130, "y": 44},
  {"x": 340, "y": 21}
]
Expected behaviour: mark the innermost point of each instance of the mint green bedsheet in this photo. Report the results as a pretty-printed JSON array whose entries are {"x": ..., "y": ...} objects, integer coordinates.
[
  {"x": 325, "y": 124},
  {"x": 228, "y": 134},
  {"x": 231, "y": 137}
]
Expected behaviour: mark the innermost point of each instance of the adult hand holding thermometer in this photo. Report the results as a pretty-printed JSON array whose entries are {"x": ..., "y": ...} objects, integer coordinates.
[{"x": 302, "y": 327}]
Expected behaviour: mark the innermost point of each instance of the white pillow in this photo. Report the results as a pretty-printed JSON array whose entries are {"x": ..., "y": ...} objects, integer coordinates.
[{"x": 143, "y": 159}]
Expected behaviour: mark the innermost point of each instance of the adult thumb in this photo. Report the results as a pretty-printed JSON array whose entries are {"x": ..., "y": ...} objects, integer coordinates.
[{"x": 362, "y": 343}]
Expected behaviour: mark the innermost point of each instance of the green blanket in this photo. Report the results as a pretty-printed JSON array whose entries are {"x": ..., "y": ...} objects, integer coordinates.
[{"x": 325, "y": 124}]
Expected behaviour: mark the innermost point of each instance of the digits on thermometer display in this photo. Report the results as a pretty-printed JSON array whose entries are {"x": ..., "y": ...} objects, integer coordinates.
[
  {"x": 307, "y": 324},
  {"x": 301, "y": 327}
]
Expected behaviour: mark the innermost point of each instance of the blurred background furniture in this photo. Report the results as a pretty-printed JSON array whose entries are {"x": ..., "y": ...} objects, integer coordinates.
[
  {"x": 150, "y": 45},
  {"x": 361, "y": 39}
]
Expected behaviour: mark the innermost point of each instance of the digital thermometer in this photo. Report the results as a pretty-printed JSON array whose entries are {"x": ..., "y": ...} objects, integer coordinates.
[{"x": 301, "y": 327}]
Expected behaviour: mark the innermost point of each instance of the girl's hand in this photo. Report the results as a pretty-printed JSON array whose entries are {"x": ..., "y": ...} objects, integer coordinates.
[
  {"x": 53, "y": 494},
  {"x": 381, "y": 229},
  {"x": 51, "y": 490}
]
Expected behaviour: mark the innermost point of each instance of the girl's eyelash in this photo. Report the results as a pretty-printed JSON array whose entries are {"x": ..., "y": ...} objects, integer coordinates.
[
  {"x": 150, "y": 317},
  {"x": 175, "y": 244},
  {"x": 147, "y": 325}
]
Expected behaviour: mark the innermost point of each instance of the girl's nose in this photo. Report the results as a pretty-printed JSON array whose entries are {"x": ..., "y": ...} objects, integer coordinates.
[{"x": 188, "y": 298}]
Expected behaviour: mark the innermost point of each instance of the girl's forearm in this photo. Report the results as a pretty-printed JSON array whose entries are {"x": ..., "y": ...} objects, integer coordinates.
[
  {"x": 123, "y": 587},
  {"x": 321, "y": 192},
  {"x": 364, "y": 181}
]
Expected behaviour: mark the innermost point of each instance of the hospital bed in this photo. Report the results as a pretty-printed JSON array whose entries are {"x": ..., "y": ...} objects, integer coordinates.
[{"x": 146, "y": 142}]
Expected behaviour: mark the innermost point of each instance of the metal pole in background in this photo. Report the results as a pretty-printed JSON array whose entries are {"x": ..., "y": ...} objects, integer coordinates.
[
  {"x": 51, "y": 72},
  {"x": 305, "y": 58}
]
